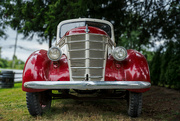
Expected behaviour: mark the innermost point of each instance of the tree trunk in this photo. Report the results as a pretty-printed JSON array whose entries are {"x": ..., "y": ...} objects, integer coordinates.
[{"x": 15, "y": 45}]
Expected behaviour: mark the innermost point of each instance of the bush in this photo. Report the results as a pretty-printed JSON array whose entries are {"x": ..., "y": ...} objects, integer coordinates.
[
  {"x": 165, "y": 66},
  {"x": 3, "y": 63}
]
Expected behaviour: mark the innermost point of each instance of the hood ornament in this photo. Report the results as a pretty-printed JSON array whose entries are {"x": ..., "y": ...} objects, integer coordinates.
[{"x": 87, "y": 30}]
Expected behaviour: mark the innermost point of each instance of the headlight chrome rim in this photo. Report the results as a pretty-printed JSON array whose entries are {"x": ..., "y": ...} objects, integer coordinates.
[
  {"x": 59, "y": 54},
  {"x": 117, "y": 50}
]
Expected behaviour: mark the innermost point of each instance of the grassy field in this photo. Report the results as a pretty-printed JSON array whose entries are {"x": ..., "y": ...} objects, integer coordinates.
[{"x": 13, "y": 107}]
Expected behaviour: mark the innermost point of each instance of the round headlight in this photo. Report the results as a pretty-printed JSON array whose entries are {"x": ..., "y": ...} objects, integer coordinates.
[
  {"x": 54, "y": 53},
  {"x": 119, "y": 53}
]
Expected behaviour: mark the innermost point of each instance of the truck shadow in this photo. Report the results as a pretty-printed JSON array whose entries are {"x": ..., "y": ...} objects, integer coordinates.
[
  {"x": 93, "y": 107},
  {"x": 158, "y": 104}
]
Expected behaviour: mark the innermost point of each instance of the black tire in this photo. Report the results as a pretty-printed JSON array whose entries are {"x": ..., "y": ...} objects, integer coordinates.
[
  {"x": 38, "y": 102},
  {"x": 134, "y": 104}
]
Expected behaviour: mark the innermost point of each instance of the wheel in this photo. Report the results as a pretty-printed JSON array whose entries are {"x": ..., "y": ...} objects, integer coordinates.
[
  {"x": 134, "y": 104},
  {"x": 38, "y": 102}
]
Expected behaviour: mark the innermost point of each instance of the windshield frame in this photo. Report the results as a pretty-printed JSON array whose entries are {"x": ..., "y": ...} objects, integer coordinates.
[
  {"x": 105, "y": 27},
  {"x": 85, "y": 20}
]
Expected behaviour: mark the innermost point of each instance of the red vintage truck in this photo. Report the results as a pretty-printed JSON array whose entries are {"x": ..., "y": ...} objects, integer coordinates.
[{"x": 85, "y": 61}]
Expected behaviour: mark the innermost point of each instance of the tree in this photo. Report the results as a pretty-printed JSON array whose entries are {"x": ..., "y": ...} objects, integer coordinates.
[
  {"x": 165, "y": 66},
  {"x": 147, "y": 18},
  {"x": 3, "y": 63},
  {"x": 172, "y": 72},
  {"x": 2, "y": 25},
  {"x": 26, "y": 17},
  {"x": 166, "y": 57},
  {"x": 155, "y": 65}
]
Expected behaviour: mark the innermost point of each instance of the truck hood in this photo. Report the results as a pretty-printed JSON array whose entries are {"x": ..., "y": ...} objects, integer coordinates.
[{"x": 81, "y": 30}]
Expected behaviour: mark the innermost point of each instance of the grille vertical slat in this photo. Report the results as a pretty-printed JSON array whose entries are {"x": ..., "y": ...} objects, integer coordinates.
[{"x": 87, "y": 56}]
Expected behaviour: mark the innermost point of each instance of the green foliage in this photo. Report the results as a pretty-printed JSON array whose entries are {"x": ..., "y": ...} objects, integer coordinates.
[
  {"x": 135, "y": 21},
  {"x": 19, "y": 64},
  {"x": 134, "y": 39},
  {"x": 165, "y": 60},
  {"x": 2, "y": 25},
  {"x": 165, "y": 66},
  {"x": 155, "y": 69},
  {"x": 148, "y": 54},
  {"x": 172, "y": 74},
  {"x": 4, "y": 63}
]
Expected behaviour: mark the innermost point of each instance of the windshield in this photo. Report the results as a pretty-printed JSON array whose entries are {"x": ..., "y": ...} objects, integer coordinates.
[{"x": 68, "y": 26}]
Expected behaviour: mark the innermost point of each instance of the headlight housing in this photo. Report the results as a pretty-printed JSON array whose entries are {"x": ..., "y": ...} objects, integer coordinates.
[
  {"x": 54, "y": 53},
  {"x": 119, "y": 53}
]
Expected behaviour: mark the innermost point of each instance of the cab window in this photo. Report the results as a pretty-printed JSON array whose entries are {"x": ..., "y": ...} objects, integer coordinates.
[{"x": 68, "y": 26}]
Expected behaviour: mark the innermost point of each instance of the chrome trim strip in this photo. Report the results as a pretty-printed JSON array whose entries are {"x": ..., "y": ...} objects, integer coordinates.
[
  {"x": 94, "y": 77},
  {"x": 83, "y": 77},
  {"x": 84, "y": 85},
  {"x": 88, "y": 67},
  {"x": 87, "y": 58},
  {"x": 77, "y": 41},
  {"x": 97, "y": 50},
  {"x": 86, "y": 49},
  {"x": 76, "y": 50},
  {"x": 79, "y": 77}
]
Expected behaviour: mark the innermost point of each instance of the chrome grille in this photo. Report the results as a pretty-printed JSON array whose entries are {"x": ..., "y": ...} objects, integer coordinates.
[{"x": 87, "y": 54}]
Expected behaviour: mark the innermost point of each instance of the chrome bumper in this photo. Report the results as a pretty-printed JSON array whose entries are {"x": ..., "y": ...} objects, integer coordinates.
[{"x": 87, "y": 85}]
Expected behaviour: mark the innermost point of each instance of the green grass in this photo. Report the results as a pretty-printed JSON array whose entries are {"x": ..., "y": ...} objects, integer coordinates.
[
  {"x": 13, "y": 107},
  {"x": 12, "y": 103}
]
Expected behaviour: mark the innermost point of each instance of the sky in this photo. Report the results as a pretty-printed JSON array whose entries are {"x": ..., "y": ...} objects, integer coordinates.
[{"x": 22, "y": 54}]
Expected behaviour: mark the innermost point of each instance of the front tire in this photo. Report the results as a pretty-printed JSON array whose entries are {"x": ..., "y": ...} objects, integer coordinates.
[
  {"x": 38, "y": 102},
  {"x": 134, "y": 104}
]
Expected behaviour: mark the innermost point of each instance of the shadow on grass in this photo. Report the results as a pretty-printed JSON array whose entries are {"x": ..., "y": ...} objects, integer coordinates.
[
  {"x": 158, "y": 104},
  {"x": 104, "y": 108}
]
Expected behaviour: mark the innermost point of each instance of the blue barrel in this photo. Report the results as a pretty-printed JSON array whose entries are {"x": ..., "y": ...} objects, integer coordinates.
[{"x": 7, "y": 79}]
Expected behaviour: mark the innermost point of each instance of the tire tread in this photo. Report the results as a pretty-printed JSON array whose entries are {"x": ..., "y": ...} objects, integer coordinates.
[{"x": 134, "y": 104}]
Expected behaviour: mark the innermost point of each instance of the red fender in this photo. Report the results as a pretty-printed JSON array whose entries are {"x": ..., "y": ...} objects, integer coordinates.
[
  {"x": 133, "y": 68},
  {"x": 38, "y": 67}
]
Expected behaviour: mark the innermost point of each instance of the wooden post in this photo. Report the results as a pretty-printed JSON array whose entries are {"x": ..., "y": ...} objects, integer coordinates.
[{"x": 15, "y": 46}]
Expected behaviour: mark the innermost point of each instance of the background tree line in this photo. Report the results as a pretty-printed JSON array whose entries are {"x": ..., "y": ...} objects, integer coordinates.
[
  {"x": 138, "y": 24},
  {"x": 4, "y": 63}
]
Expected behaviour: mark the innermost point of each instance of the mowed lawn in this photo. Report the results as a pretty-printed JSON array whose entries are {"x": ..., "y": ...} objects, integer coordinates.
[{"x": 13, "y": 107}]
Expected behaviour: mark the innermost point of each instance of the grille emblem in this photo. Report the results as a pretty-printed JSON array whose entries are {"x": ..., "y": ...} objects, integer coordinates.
[{"x": 86, "y": 30}]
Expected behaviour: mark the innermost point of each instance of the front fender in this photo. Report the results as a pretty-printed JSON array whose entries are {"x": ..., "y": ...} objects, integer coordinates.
[
  {"x": 38, "y": 67},
  {"x": 133, "y": 68}
]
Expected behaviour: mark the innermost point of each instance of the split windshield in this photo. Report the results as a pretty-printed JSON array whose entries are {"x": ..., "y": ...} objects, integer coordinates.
[{"x": 68, "y": 26}]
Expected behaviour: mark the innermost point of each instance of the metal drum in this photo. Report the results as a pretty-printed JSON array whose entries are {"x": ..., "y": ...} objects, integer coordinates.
[{"x": 6, "y": 79}]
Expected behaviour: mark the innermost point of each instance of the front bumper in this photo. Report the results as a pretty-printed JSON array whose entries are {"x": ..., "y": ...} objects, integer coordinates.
[{"x": 87, "y": 85}]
